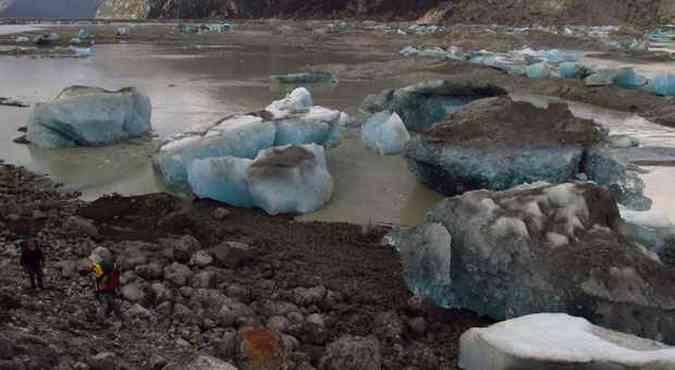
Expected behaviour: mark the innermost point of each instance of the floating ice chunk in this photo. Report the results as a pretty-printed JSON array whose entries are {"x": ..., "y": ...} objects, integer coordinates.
[
  {"x": 663, "y": 85},
  {"x": 409, "y": 51},
  {"x": 602, "y": 77},
  {"x": 556, "y": 56},
  {"x": 239, "y": 136},
  {"x": 317, "y": 125},
  {"x": 298, "y": 101},
  {"x": 652, "y": 228},
  {"x": 89, "y": 116},
  {"x": 436, "y": 53},
  {"x": 556, "y": 341},
  {"x": 305, "y": 77},
  {"x": 223, "y": 179},
  {"x": 627, "y": 78},
  {"x": 569, "y": 70},
  {"x": 290, "y": 179},
  {"x": 539, "y": 71},
  {"x": 82, "y": 52},
  {"x": 385, "y": 133}
]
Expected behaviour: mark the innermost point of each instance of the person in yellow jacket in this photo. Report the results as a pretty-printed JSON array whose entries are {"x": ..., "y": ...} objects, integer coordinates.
[{"x": 107, "y": 285}]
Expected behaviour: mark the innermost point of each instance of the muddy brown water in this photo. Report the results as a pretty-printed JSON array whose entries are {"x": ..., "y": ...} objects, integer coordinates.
[{"x": 195, "y": 86}]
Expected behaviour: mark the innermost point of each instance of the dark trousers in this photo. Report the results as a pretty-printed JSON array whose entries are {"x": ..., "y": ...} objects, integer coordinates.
[
  {"x": 35, "y": 276},
  {"x": 109, "y": 302}
]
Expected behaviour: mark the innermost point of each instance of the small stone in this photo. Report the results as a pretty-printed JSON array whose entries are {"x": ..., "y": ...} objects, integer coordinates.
[
  {"x": 39, "y": 215},
  {"x": 104, "y": 361},
  {"x": 201, "y": 259},
  {"x": 227, "y": 346},
  {"x": 278, "y": 323},
  {"x": 178, "y": 274},
  {"x": 418, "y": 326},
  {"x": 138, "y": 311},
  {"x": 233, "y": 254},
  {"x": 352, "y": 353},
  {"x": 221, "y": 213},
  {"x": 157, "y": 362},
  {"x": 308, "y": 297},
  {"x": 133, "y": 293}
]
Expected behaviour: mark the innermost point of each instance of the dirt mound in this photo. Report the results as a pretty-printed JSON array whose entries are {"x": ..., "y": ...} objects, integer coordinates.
[
  {"x": 338, "y": 277},
  {"x": 503, "y": 122}
]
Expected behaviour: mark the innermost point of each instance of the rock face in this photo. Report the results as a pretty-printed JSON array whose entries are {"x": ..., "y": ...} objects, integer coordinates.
[
  {"x": 125, "y": 9},
  {"x": 421, "y": 106},
  {"x": 543, "y": 248},
  {"x": 90, "y": 116},
  {"x": 497, "y": 144},
  {"x": 553, "y": 341},
  {"x": 292, "y": 120}
]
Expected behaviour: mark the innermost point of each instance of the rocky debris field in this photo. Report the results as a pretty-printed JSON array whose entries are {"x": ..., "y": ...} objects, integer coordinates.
[{"x": 256, "y": 291}]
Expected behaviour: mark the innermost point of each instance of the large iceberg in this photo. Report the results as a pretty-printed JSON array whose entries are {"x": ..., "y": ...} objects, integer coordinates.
[
  {"x": 540, "y": 248},
  {"x": 559, "y": 341},
  {"x": 292, "y": 120},
  {"x": 90, "y": 116},
  {"x": 385, "y": 133},
  {"x": 290, "y": 179}
]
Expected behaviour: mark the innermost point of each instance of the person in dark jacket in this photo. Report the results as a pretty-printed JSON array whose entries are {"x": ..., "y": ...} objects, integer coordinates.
[{"x": 32, "y": 260}]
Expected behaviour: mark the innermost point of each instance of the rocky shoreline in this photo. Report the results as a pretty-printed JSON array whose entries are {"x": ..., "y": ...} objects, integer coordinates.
[{"x": 311, "y": 284}]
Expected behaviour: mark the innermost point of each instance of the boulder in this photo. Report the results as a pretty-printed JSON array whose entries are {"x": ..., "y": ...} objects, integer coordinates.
[
  {"x": 497, "y": 144},
  {"x": 290, "y": 179},
  {"x": 90, "y": 116},
  {"x": 292, "y": 120},
  {"x": 233, "y": 254},
  {"x": 182, "y": 248},
  {"x": 545, "y": 248},
  {"x": 385, "y": 133},
  {"x": 352, "y": 353},
  {"x": 559, "y": 341},
  {"x": 261, "y": 348},
  {"x": 421, "y": 106}
]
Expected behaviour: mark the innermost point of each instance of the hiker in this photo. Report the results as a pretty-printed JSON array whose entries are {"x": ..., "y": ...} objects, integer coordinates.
[
  {"x": 107, "y": 285},
  {"x": 32, "y": 259}
]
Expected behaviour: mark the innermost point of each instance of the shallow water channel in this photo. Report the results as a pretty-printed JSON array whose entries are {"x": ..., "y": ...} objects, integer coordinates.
[{"x": 197, "y": 86}]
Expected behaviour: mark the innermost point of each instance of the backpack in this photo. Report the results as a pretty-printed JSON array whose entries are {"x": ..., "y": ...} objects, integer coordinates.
[{"x": 111, "y": 276}]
